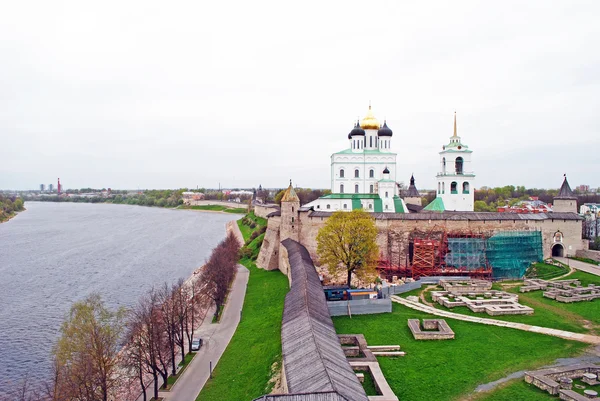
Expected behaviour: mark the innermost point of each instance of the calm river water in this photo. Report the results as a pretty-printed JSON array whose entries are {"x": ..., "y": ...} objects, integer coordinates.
[{"x": 56, "y": 253}]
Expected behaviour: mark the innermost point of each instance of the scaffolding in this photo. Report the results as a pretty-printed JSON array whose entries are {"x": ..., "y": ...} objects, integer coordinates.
[
  {"x": 450, "y": 254},
  {"x": 466, "y": 252},
  {"x": 511, "y": 252},
  {"x": 506, "y": 254}
]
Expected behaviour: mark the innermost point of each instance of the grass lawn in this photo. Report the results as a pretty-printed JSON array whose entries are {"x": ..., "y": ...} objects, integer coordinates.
[
  {"x": 369, "y": 384},
  {"x": 183, "y": 364},
  {"x": 447, "y": 370},
  {"x": 515, "y": 390},
  {"x": 545, "y": 271},
  {"x": 247, "y": 230},
  {"x": 244, "y": 370},
  {"x": 219, "y": 208}
]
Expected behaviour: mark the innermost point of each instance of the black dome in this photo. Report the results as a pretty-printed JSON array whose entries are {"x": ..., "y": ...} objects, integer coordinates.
[
  {"x": 386, "y": 171},
  {"x": 357, "y": 131},
  {"x": 385, "y": 130}
]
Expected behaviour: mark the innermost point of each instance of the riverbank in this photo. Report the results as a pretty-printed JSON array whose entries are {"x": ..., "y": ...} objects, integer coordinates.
[
  {"x": 61, "y": 252},
  {"x": 6, "y": 217},
  {"x": 216, "y": 208}
]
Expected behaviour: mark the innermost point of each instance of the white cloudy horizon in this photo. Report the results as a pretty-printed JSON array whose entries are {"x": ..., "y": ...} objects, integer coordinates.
[{"x": 139, "y": 94}]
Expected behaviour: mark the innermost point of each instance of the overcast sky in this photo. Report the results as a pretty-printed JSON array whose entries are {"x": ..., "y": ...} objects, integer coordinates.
[{"x": 146, "y": 94}]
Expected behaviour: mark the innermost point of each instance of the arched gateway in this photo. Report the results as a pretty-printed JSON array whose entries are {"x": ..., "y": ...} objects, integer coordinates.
[{"x": 558, "y": 250}]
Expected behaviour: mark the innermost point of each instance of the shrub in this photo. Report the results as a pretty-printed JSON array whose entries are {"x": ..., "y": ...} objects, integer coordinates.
[{"x": 245, "y": 253}]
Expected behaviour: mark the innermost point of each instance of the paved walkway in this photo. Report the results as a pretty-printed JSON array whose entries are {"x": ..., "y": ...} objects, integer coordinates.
[
  {"x": 215, "y": 338},
  {"x": 584, "y": 267},
  {"x": 584, "y": 338}
]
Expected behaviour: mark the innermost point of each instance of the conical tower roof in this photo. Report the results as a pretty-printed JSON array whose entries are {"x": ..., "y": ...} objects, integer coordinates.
[
  {"x": 412, "y": 189},
  {"x": 565, "y": 191},
  {"x": 290, "y": 195}
]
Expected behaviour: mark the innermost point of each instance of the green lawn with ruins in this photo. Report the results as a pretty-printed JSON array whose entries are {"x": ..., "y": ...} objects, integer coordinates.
[
  {"x": 245, "y": 368},
  {"x": 452, "y": 369},
  {"x": 578, "y": 317}
]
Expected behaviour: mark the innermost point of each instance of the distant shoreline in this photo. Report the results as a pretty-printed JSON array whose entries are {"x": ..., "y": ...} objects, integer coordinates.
[
  {"x": 179, "y": 207},
  {"x": 13, "y": 215}
]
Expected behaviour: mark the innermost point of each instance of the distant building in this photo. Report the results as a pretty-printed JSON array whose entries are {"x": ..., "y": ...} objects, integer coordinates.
[
  {"x": 584, "y": 189},
  {"x": 192, "y": 198},
  {"x": 42, "y": 187},
  {"x": 50, "y": 187},
  {"x": 591, "y": 210},
  {"x": 533, "y": 205}
]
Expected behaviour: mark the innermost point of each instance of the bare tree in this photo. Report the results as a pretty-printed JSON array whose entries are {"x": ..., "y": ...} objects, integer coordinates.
[
  {"x": 220, "y": 270},
  {"x": 135, "y": 355},
  {"x": 168, "y": 311}
]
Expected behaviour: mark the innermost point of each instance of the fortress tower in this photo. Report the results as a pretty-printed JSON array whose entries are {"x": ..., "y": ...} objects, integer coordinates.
[
  {"x": 565, "y": 201},
  {"x": 289, "y": 226}
]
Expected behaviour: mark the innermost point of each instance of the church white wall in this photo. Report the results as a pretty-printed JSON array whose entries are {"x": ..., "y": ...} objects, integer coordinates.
[
  {"x": 458, "y": 201},
  {"x": 363, "y": 163}
]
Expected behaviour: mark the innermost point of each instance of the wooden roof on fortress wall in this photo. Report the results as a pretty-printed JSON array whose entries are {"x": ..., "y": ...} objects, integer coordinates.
[
  {"x": 470, "y": 216},
  {"x": 313, "y": 358}
]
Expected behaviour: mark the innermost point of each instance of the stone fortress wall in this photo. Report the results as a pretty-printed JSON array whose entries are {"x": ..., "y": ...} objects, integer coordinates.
[{"x": 394, "y": 235}]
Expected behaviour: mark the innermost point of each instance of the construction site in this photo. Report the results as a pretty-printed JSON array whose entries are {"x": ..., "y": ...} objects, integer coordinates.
[{"x": 438, "y": 252}]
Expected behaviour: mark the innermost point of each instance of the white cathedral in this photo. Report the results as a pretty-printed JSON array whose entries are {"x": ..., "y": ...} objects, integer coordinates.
[{"x": 363, "y": 176}]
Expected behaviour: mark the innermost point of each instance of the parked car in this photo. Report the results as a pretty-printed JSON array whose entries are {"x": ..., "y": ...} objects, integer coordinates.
[{"x": 196, "y": 344}]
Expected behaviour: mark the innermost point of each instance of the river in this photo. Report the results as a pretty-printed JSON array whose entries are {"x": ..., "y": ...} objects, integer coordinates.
[{"x": 54, "y": 254}]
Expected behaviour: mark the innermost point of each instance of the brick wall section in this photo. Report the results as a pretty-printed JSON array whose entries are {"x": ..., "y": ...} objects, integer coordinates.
[
  {"x": 268, "y": 257},
  {"x": 588, "y": 253},
  {"x": 264, "y": 210}
]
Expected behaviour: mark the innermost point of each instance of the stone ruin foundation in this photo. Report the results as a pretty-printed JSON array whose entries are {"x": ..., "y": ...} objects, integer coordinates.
[
  {"x": 432, "y": 329},
  {"x": 465, "y": 286},
  {"x": 362, "y": 358},
  {"x": 559, "y": 380},
  {"x": 481, "y": 298},
  {"x": 563, "y": 290}
]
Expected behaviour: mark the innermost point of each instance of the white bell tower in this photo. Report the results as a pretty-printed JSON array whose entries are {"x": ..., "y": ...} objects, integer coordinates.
[{"x": 456, "y": 177}]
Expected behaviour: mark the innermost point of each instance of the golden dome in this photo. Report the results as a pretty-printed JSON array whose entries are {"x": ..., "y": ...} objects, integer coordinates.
[{"x": 369, "y": 122}]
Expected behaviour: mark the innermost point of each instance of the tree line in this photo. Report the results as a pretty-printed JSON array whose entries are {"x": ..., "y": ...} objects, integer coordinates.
[
  {"x": 105, "y": 354},
  {"x": 489, "y": 199},
  {"x": 10, "y": 205}
]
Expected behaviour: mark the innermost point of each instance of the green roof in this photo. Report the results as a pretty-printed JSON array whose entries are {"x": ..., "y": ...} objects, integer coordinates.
[
  {"x": 386, "y": 181},
  {"x": 378, "y": 205},
  {"x": 436, "y": 206},
  {"x": 456, "y": 151},
  {"x": 367, "y": 151},
  {"x": 350, "y": 196},
  {"x": 398, "y": 206}
]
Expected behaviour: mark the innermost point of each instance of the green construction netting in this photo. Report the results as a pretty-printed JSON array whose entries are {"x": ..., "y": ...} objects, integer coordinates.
[
  {"x": 466, "y": 252},
  {"x": 511, "y": 252}
]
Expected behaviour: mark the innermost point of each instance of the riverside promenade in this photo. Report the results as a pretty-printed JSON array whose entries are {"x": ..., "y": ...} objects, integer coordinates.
[{"x": 216, "y": 337}]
